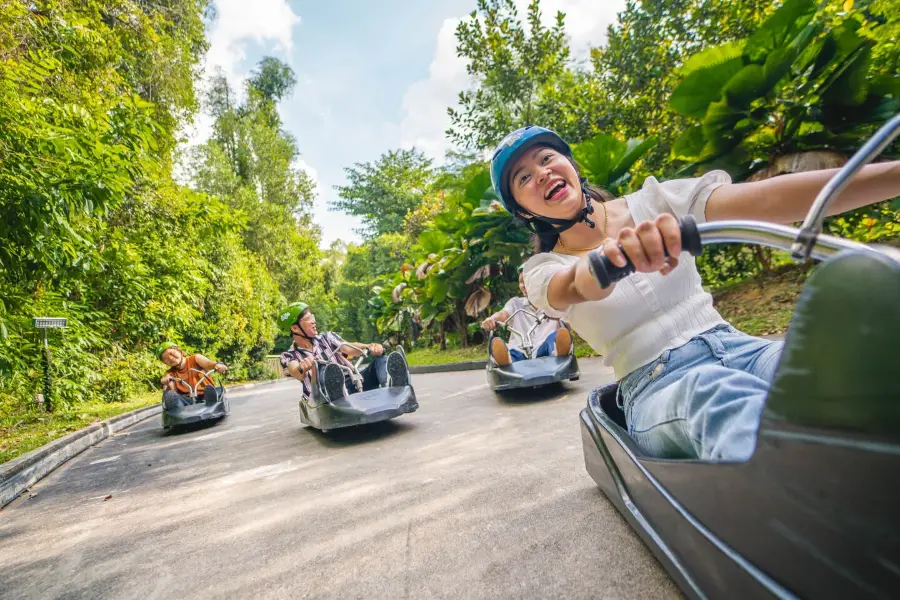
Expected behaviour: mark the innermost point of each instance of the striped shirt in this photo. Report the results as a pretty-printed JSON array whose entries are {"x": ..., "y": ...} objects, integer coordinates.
[{"x": 326, "y": 346}]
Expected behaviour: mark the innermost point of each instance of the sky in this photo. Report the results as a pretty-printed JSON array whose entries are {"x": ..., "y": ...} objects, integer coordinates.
[{"x": 371, "y": 77}]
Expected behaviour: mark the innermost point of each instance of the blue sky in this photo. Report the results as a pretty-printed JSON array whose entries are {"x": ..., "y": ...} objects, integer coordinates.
[{"x": 371, "y": 76}]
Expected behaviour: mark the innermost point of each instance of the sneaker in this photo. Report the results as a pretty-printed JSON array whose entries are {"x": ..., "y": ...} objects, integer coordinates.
[
  {"x": 398, "y": 373},
  {"x": 333, "y": 382},
  {"x": 563, "y": 342},
  {"x": 500, "y": 353}
]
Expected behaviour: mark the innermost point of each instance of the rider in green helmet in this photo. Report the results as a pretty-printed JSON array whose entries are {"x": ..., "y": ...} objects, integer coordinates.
[
  {"x": 184, "y": 367},
  {"x": 310, "y": 349}
]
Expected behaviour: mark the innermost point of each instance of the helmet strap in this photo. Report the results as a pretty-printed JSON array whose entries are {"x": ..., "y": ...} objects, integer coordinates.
[
  {"x": 554, "y": 226},
  {"x": 302, "y": 333}
]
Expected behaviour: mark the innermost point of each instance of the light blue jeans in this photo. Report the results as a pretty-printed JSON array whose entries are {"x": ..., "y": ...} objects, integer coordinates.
[
  {"x": 546, "y": 348},
  {"x": 703, "y": 399}
]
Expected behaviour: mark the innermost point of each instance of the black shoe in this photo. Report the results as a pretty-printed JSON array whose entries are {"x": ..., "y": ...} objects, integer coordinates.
[
  {"x": 398, "y": 373},
  {"x": 333, "y": 382}
]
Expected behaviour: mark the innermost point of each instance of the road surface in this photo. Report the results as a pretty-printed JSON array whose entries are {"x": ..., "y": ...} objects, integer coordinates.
[{"x": 470, "y": 497}]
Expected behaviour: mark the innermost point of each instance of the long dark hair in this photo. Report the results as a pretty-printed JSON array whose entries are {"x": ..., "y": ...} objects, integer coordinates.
[{"x": 544, "y": 238}]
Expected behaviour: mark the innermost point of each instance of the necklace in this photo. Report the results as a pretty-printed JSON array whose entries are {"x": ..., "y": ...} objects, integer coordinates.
[{"x": 605, "y": 231}]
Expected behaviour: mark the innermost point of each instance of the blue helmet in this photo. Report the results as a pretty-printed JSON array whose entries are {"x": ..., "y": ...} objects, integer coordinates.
[{"x": 511, "y": 148}]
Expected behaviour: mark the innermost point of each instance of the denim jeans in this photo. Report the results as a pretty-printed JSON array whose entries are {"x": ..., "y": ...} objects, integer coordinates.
[
  {"x": 703, "y": 399},
  {"x": 545, "y": 349},
  {"x": 374, "y": 375},
  {"x": 174, "y": 399}
]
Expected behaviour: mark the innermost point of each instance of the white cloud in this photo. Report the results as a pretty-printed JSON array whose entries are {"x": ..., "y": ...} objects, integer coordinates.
[
  {"x": 425, "y": 102},
  {"x": 586, "y": 20},
  {"x": 301, "y": 164},
  {"x": 239, "y": 22}
]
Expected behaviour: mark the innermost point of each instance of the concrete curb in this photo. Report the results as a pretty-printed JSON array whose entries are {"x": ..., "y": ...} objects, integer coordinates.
[
  {"x": 469, "y": 365},
  {"x": 22, "y": 472},
  {"x": 19, "y": 474}
]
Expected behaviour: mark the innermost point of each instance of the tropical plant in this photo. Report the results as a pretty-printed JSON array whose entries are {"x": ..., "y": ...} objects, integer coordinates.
[
  {"x": 467, "y": 258},
  {"x": 802, "y": 82}
]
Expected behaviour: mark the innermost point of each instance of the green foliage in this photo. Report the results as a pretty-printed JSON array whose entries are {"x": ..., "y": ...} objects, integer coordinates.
[
  {"x": 273, "y": 79},
  {"x": 518, "y": 69},
  {"x": 384, "y": 192},
  {"x": 639, "y": 66},
  {"x": 250, "y": 164},
  {"x": 607, "y": 161},
  {"x": 364, "y": 265},
  {"x": 804, "y": 80},
  {"x": 96, "y": 230}
]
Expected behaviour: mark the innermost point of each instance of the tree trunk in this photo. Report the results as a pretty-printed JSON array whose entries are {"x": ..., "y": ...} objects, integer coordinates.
[
  {"x": 462, "y": 327},
  {"x": 443, "y": 336},
  {"x": 764, "y": 256}
]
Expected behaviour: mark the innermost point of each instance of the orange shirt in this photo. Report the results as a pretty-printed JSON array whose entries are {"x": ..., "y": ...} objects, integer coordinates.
[{"x": 192, "y": 377}]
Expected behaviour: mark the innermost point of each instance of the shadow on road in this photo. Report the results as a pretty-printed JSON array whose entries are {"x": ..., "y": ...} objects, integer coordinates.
[
  {"x": 189, "y": 428},
  {"x": 360, "y": 434},
  {"x": 526, "y": 396}
]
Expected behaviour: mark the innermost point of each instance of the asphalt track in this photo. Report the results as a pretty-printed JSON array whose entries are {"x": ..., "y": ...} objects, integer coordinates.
[{"x": 473, "y": 496}]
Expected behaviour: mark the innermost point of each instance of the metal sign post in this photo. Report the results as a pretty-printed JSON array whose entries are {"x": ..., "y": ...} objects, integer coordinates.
[{"x": 45, "y": 323}]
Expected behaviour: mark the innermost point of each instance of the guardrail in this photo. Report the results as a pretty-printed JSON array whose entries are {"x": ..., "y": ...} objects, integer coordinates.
[{"x": 273, "y": 361}]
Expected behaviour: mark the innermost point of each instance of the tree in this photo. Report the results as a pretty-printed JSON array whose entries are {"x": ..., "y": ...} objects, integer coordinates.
[
  {"x": 92, "y": 94},
  {"x": 799, "y": 93},
  {"x": 273, "y": 79},
  {"x": 384, "y": 192},
  {"x": 363, "y": 267},
  {"x": 250, "y": 162},
  {"x": 513, "y": 67},
  {"x": 803, "y": 81},
  {"x": 650, "y": 40}
]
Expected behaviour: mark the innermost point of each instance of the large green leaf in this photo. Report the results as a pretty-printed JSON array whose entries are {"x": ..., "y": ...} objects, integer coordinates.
[
  {"x": 437, "y": 289},
  {"x": 720, "y": 120},
  {"x": 635, "y": 150},
  {"x": 478, "y": 187},
  {"x": 712, "y": 56},
  {"x": 703, "y": 87},
  {"x": 598, "y": 156},
  {"x": 779, "y": 29},
  {"x": 433, "y": 241},
  {"x": 689, "y": 145},
  {"x": 428, "y": 312},
  {"x": 849, "y": 85},
  {"x": 747, "y": 85}
]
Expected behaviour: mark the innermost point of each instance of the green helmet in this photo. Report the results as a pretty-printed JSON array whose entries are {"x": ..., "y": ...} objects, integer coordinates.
[
  {"x": 289, "y": 315},
  {"x": 163, "y": 347}
]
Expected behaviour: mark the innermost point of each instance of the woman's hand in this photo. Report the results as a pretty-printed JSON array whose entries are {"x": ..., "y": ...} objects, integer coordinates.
[
  {"x": 376, "y": 349},
  {"x": 646, "y": 245},
  {"x": 221, "y": 368}
]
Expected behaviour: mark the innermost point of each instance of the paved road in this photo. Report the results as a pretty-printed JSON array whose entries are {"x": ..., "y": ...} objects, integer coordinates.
[{"x": 470, "y": 497}]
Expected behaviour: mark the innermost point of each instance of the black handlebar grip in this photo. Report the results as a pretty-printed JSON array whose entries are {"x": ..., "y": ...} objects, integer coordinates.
[{"x": 606, "y": 273}]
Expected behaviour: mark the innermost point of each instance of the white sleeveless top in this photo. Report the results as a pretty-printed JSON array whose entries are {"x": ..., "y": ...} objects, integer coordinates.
[{"x": 647, "y": 313}]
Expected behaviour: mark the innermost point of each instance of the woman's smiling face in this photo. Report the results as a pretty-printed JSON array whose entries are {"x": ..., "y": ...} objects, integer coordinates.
[{"x": 545, "y": 183}]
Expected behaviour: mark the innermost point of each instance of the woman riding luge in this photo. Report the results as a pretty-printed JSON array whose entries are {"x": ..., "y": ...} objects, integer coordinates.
[{"x": 690, "y": 384}]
